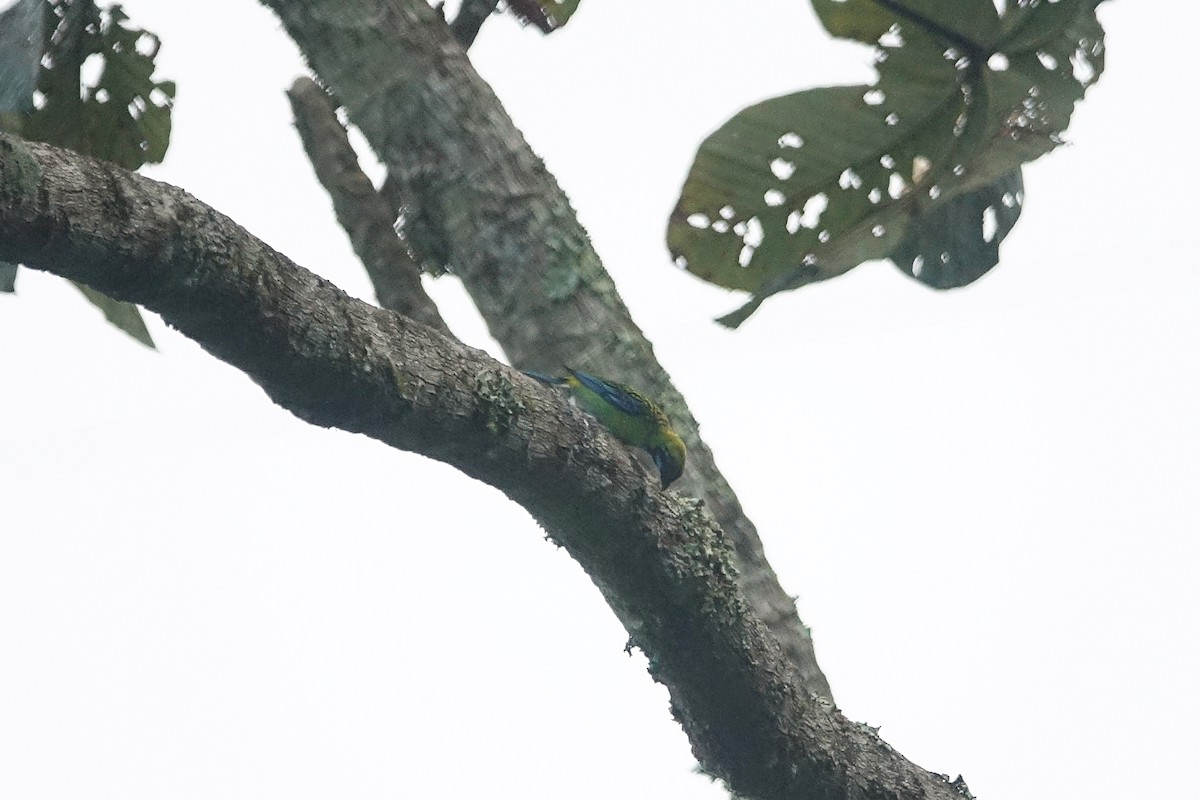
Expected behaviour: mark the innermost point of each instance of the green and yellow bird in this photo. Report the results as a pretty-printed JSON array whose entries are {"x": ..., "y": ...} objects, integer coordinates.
[{"x": 629, "y": 415}]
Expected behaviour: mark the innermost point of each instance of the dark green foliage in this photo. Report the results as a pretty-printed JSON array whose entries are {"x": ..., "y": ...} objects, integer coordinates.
[
  {"x": 806, "y": 186},
  {"x": 959, "y": 240},
  {"x": 118, "y": 112}
]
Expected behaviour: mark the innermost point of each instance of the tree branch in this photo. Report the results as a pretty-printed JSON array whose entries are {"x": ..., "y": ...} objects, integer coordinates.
[
  {"x": 471, "y": 16},
  {"x": 659, "y": 559},
  {"x": 360, "y": 210},
  {"x": 485, "y": 206}
]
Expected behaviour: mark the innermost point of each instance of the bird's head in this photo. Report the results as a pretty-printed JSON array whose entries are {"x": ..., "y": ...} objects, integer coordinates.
[{"x": 669, "y": 455}]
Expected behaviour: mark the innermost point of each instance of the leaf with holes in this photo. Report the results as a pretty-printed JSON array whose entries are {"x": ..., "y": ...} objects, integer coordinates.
[
  {"x": 825, "y": 177},
  {"x": 126, "y": 116},
  {"x": 804, "y": 187}
]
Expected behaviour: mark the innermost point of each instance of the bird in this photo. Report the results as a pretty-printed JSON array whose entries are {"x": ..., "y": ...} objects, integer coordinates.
[{"x": 628, "y": 415}]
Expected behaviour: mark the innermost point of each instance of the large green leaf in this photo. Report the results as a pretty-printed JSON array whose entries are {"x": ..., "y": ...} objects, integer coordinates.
[
  {"x": 780, "y": 187},
  {"x": 804, "y": 187}
]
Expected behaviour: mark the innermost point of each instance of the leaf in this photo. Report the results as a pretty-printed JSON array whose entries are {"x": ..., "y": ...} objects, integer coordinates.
[
  {"x": 967, "y": 23},
  {"x": 8, "y": 277},
  {"x": 559, "y": 10},
  {"x": 959, "y": 241},
  {"x": 20, "y": 54},
  {"x": 783, "y": 184},
  {"x": 126, "y": 116},
  {"x": 1028, "y": 27},
  {"x": 804, "y": 187},
  {"x": 546, "y": 15},
  {"x": 125, "y": 316}
]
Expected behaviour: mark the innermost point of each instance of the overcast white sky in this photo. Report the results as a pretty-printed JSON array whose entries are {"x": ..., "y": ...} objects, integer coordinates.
[{"x": 986, "y": 500}]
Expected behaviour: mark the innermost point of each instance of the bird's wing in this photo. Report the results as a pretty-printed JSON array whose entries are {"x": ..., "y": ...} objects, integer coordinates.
[{"x": 620, "y": 397}]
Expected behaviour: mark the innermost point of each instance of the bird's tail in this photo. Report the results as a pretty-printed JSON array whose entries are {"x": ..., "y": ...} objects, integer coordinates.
[{"x": 552, "y": 380}]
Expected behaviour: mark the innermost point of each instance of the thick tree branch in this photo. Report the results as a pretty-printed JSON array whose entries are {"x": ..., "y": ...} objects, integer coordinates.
[
  {"x": 334, "y": 361},
  {"x": 485, "y": 206},
  {"x": 360, "y": 210}
]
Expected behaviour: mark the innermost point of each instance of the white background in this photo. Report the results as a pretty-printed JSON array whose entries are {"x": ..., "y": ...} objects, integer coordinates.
[{"x": 986, "y": 500}]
